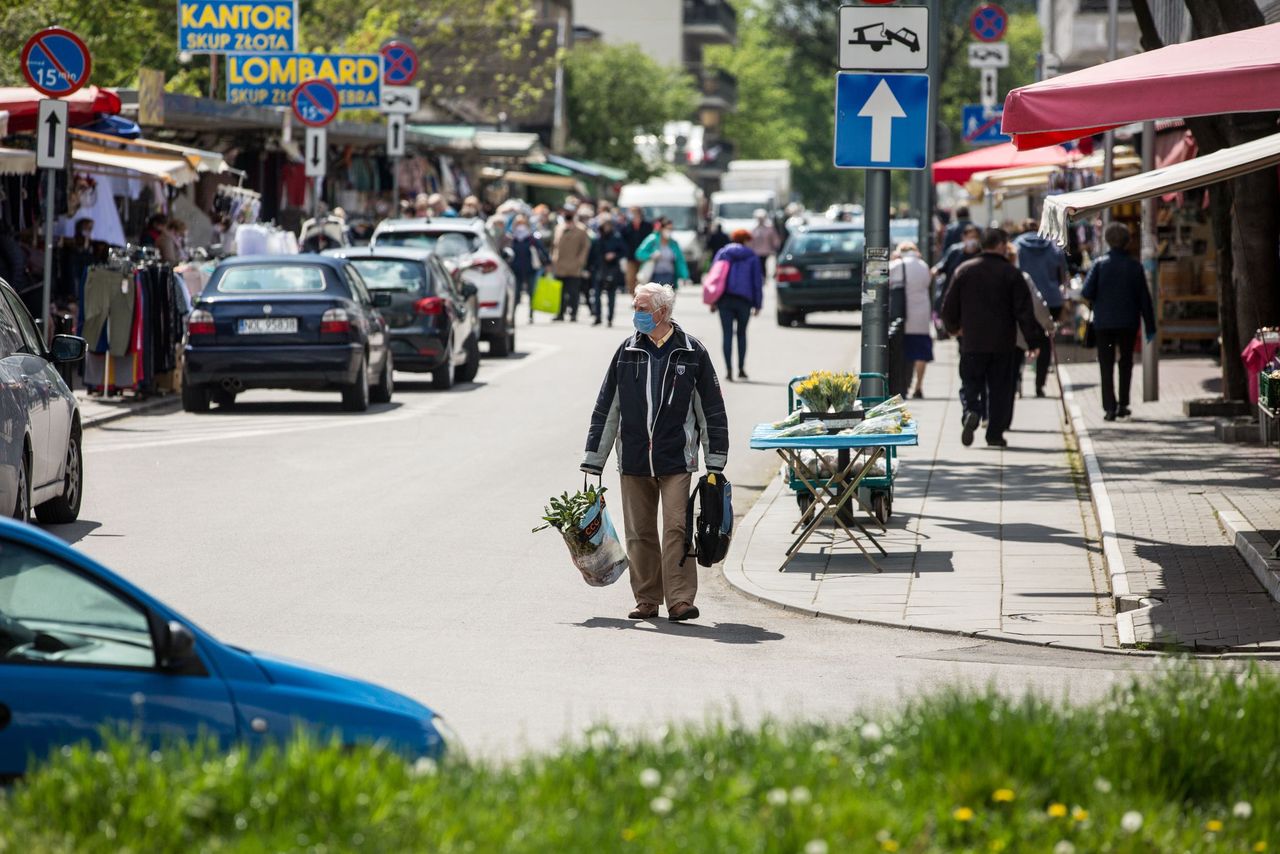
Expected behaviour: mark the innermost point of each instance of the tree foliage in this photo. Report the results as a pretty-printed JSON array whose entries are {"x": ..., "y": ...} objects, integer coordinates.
[{"x": 613, "y": 93}]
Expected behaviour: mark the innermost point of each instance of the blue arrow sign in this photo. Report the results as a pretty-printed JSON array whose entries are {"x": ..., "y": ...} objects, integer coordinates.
[
  {"x": 982, "y": 125},
  {"x": 882, "y": 121}
]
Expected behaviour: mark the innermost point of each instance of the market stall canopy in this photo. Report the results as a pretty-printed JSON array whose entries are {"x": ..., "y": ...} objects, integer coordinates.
[
  {"x": 1029, "y": 177},
  {"x": 199, "y": 159},
  {"x": 1004, "y": 156},
  {"x": 535, "y": 179},
  {"x": 1232, "y": 73},
  {"x": 1226, "y": 163},
  {"x": 171, "y": 169},
  {"x": 17, "y": 161},
  {"x": 23, "y": 103},
  {"x": 589, "y": 168}
]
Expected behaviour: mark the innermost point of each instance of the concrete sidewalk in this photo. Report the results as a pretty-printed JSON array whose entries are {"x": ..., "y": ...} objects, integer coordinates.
[
  {"x": 96, "y": 410},
  {"x": 984, "y": 542}
]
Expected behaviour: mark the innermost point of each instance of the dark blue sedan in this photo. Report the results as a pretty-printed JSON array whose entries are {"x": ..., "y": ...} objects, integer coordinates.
[
  {"x": 302, "y": 322},
  {"x": 81, "y": 648}
]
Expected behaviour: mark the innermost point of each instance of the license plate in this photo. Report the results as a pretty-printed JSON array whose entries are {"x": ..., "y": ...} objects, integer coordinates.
[
  {"x": 268, "y": 325},
  {"x": 834, "y": 273}
]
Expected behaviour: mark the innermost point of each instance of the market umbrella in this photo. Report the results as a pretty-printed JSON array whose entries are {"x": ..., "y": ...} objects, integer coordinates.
[
  {"x": 1232, "y": 73},
  {"x": 1004, "y": 156},
  {"x": 23, "y": 103}
]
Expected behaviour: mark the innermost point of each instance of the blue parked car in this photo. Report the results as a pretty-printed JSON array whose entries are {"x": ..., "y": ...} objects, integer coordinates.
[{"x": 81, "y": 647}]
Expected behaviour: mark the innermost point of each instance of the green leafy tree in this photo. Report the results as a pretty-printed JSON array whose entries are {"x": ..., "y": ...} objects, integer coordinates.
[{"x": 613, "y": 93}]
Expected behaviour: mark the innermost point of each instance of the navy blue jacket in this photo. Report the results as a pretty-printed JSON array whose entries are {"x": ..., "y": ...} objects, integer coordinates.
[
  {"x": 659, "y": 436},
  {"x": 522, "y": 250},
  {"x": 1116, "y": 288}
]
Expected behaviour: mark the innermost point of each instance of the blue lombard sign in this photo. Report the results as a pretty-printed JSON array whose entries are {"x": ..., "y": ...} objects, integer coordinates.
[
  {"x": 237, "y": 26},
  {"x": 269, "y": 81}
]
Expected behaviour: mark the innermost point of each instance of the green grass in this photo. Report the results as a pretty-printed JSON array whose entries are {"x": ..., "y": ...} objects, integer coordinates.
[{"x": 1196, "y": 754}]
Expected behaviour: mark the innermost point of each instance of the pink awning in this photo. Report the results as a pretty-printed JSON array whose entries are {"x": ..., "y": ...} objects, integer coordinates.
[
  {"x": 83, "y": 107},
  {"x": 1232, "y": 73},
  {"x": 1004, "y": 156}
]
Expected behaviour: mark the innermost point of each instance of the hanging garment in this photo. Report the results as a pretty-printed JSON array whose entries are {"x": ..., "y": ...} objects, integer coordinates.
[
  {"x": 98, "y": 287},
  {"x": 120, "y": 315}
]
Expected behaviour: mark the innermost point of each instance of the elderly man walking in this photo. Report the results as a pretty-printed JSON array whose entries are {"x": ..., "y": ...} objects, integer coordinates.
[{"x": 659, "y": 401}]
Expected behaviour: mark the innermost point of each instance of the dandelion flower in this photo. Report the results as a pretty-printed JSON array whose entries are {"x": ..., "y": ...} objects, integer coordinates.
[
  {"x": 1131, "y": 822},
  {"x": 1260, "y": 846},
  {"x": 1102, "y": 784},
  {"x": 800, "y": 795},
  {"x": 816, "y": 846},
  {"x": 1213, "y": 826},
  {"x": 962, "y": 814},
  {"x": 1080, "y": 814},
  {"x": 1057, "y": 810},
  {"x": 777, "y": 797},
  {"x": 661, "y": 805},
  {"x": 997, "y": 845},
  {"x": 1064, "y": 847},
  {"x": 1002, "y": 796},
  {"x": 889, "y": 845},
  {"x": 871, "y": 731},
  {"x": 650, "y": 778},
  {"x": 1242, "y": 809},
  {"x": 628, "y": 834},
  {"x": 423, "y": 767}
]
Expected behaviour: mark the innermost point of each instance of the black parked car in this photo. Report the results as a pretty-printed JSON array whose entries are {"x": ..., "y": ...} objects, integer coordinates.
[
  {"x": 40, "y": 454},
  {"x": 820, "y": 269},
  {"x": 287, "y": 321},
  {"x": 433, "y": 320}
]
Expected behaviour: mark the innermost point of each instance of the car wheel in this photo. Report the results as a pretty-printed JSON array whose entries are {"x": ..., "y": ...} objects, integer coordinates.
[
  {"x": 225, "y": 399},
  {"x": 467, "y": 372},
  {"x": 786, "y": 318},
  {"x": 386, "y": 383},
  {"x": 355, "y": 397},
  {"x": 65, "y": 508},
  {"x": 504, "y": 339},
  {"x": 442, "y": 377},
  {"x": 195, "y": 398},
  {"x": 22, "y": 501}
]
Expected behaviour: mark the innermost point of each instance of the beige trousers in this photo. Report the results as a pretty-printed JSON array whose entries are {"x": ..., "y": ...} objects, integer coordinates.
[
  {"x": 633, "y": 273},
  {"x": 656, "y": 574}
]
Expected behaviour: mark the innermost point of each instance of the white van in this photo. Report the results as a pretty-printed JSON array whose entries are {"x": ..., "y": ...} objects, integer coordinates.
[{"x": 678, "y": 199}]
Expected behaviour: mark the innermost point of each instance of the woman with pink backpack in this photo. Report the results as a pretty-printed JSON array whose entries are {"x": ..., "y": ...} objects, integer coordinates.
[{"x": 734, "y": 286}]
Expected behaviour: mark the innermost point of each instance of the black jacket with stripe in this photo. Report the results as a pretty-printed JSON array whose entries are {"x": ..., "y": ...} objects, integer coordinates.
[{"x": 659, "y": 437}]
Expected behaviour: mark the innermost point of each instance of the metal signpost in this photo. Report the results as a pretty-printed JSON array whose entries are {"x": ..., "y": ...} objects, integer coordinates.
[
  {"x": 882, "y": 122},
  {"x": 316, "y": 103},
  {"x": 56, "y": 63},
  {"x": 399, "y": 99}
]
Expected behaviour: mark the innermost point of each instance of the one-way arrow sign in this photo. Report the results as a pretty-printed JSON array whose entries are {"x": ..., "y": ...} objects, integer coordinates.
[
  {"x": 51, "y": 135},
  {"x": 317, "y": 152},
  {"x": 395, "y": 135},
  {"x": 882, "y": 121}
]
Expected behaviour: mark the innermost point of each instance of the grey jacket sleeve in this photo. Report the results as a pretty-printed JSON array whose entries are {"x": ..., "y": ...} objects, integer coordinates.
[
  {"x": 604, "y": 422},
  {"x": 713, "y": 421}
]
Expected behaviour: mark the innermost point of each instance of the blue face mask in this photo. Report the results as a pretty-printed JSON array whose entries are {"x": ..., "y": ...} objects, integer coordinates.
[{"x": 643, "y": 321}]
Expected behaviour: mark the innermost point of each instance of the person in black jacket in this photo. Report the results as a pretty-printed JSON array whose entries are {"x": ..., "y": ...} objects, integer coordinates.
[
  {"x": 1116, "y": 290},
  {"x": 659, "y": 401},
  {"x": 986, "y": 304},
  {"x": 608, "y": 252},
  {"x": 634, "y": 231}
]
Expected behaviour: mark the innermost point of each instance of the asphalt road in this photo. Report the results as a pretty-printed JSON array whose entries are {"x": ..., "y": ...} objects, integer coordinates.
[{"x": 396, "y": 546}]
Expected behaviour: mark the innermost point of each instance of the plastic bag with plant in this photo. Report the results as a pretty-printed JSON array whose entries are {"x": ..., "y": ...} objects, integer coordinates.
[{"x": 588, "y": 532}]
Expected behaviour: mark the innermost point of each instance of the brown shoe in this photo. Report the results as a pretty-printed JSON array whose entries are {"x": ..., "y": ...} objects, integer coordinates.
[
  {"x": 682, "y": 611},
  {"x": 643, "y": 612}
]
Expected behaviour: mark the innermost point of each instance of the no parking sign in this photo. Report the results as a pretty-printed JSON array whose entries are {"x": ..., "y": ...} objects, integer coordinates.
[{"x": 56, "y": 62}]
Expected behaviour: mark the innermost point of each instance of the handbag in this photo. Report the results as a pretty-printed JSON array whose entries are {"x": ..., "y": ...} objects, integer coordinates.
[
  {"x": 547, "y": 295},
  {"x": 646, "y": 270},
  {"x": 1090, "y": 337},
  {"x": 714, "y": 282},
  {"x": 707, "y": 537}
]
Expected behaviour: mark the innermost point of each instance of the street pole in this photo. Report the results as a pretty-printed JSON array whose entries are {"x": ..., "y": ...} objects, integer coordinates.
[
  {"x": 50, "y": 189},
  {"x": 395, "y": 188},
  {"x": 1150, "y": 264},
  {"x": 875, "y": 277},
  {"x": 1109, "y": 138},
  {"x": 931, "y": 142}
]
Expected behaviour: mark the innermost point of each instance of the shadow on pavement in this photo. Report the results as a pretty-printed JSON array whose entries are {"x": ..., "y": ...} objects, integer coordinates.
[
  {"x": 74, "y": 532},
  {"x": 738, "y": 633},
  {"x": 425, "y": 385},
  {"x": 301, "y": 407}
]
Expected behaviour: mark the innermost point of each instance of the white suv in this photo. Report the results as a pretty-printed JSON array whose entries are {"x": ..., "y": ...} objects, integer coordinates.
[{"x": 466, "y": 248}]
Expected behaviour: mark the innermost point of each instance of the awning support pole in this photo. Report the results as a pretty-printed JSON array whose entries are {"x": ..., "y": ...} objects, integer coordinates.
[
  {"x": 1151, "y": 264},
  {"x": 50, "y": 189}
]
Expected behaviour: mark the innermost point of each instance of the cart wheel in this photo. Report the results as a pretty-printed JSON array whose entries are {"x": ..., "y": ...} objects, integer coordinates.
[{"x": 882, "y": 507}]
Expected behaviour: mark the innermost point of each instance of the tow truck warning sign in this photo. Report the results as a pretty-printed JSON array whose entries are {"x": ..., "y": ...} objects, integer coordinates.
[
  {"x": 237, "y": 26},
  {"x": 884, "y": 38}
]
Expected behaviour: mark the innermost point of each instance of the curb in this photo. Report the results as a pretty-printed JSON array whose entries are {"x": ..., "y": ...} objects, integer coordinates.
[
  {"x": 1249, "y": 543},
  {"x": 150, "y": 405}
]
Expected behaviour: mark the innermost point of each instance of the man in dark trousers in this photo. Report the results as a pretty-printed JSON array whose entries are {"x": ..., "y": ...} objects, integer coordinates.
[
  {"x": 634, "y": 231},
  {"x": 986, "y": 304}
]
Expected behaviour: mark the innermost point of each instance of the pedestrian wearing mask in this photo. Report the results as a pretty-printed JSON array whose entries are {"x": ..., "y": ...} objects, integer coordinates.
[
  {"x": 1046, "y": 264},
  {"x": 635, "y": 231},
  {"x": 909, "y": 272},
  {"x": 717, "y": 240},
  {"x": 608, "y": 251},
  {"x": 986, "y": 305},
  {"x": 669, "y": 267},
  {"x": 743, "y": 296},
  {"x": 764, "y": 238},
  {"x": 659, "y": 401},
  {"x": 969, "y": 247},
  {"x": 1116, "y": 290},
  {"x": 1029, "y": 348},
  {"x": 569, "y": 260},
  {"x": 528, "y": 255}
]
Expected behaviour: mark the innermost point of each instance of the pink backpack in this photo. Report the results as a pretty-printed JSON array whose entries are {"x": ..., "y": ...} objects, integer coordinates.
[{"x": 713, "y": 283}]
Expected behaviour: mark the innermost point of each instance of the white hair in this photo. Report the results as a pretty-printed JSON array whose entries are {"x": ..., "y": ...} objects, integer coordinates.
[{"x": 660, "y": 296}]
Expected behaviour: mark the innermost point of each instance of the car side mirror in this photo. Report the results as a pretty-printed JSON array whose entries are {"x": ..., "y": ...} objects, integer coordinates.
[
  {"x": 67, "y": 348},
  {"x": 469, "y": 290},
  {"x": 176, "y": 646},
  {"x": 381, "y": 299}
]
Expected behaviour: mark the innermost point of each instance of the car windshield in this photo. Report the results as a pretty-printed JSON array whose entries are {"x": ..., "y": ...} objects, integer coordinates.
[
  {"x": 446, "y": 244},
  {"x": 273, "y": 278},
  {"x": 387, "y": 274},
  {"x": 682, "y": 218},
  {"x": 737, "y": 210},
  {"x": 843, "y": 242}
]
